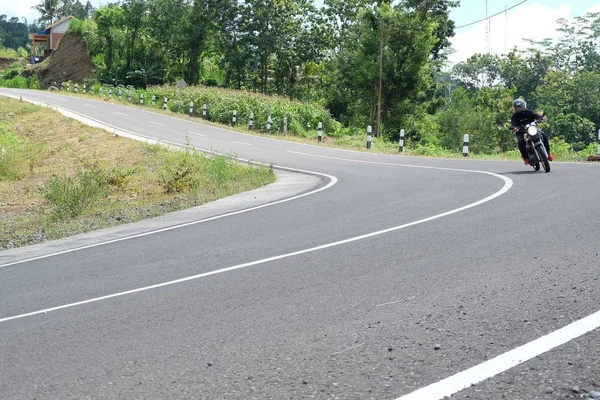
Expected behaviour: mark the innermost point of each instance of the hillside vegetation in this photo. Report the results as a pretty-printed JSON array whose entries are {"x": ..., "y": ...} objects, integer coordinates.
[{"x": 59, "y": 177}]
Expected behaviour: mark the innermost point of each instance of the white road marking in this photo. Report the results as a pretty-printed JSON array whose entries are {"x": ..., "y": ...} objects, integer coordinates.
[
  {"x": 348, "y": 349},
  {"x": 120, "y": 113},
  {"x": 332, "y": 181},
  {"x": 196, "y": 133},
  {"x": 90, "y": 105},
  {"x": 155, "y": 123},
  {"x": 507, "y": 185},
  {"x": 506, "y": 361},
  {"x": 394, "y": 302},
  {"x": 245, "y": 144}
]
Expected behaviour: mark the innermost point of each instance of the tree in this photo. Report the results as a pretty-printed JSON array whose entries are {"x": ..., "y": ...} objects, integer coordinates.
[
  {"x": 50, "y": 11},
  {"x": 479, "y": 71},
  {"x": 134, "y": 17},
  {"x": 76, "y": 9},
  {"x": 109, "y": 20},
  {"x": 437, "y": 11},
  {"x": 339, "y": 16},
  {"x": 204, "y": 19},
  {"x": 579, "y": 48},
  {"x": 13, "y": 34},
  {"x": 166, "y": 34},
  {"x": 407, "y": 45},
  {"x": 525, "y": 74}
]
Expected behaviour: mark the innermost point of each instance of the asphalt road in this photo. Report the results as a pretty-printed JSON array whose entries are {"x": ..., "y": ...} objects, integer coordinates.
[{"x": 391, "y": 277}]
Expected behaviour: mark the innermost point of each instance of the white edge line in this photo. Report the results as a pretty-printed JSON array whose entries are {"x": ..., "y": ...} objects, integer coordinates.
[
  {"x": 503, "y": 362},
  {"x": 332, "y": 181},
  {"x": 507, "y": 185}
]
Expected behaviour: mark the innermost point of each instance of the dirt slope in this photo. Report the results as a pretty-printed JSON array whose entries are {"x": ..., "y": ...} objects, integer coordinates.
[{"x": 70, "y": 61}]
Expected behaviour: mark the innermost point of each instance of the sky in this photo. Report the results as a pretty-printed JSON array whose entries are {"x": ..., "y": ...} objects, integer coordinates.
[
  {"x": 534, "y": 19},
  {"x": 531, "y": 20}
]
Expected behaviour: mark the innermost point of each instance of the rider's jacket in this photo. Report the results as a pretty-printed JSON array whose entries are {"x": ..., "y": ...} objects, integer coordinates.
[{"x": 523, "y": 117}]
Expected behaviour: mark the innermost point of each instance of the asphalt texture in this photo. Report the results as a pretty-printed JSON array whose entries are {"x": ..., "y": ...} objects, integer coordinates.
[{"x": 376, "y": 282}]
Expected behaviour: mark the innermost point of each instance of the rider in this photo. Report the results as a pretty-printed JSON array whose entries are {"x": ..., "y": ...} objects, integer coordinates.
[{"x": 524, "y": 116}]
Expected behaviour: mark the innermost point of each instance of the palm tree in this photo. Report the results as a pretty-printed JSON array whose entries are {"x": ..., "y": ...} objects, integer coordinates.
[{"x": 49, "y": 9}]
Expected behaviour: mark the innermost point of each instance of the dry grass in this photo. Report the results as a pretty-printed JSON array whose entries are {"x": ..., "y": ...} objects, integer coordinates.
[{"x": 56, "y": 146}]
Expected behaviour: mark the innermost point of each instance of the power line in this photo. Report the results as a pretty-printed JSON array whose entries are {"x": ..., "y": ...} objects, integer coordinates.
[{"x": 491, "y": 16}]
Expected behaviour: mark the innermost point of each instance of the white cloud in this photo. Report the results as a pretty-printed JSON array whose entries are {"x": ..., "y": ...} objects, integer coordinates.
[{"x": 507, "y": 31}]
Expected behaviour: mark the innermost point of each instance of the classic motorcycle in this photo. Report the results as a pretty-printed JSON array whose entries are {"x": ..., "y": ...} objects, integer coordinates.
[{"x": 534, "y": 144}]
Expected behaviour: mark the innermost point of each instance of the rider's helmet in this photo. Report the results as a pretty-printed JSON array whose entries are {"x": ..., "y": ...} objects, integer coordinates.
[{"x": 520, "y": 103}]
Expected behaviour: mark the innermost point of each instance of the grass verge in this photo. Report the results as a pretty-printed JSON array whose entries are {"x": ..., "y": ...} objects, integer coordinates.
[{"x": 59, "y": 177}]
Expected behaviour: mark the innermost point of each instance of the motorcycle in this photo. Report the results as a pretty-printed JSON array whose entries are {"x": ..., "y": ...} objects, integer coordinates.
[{"x": 534, "y": 144}]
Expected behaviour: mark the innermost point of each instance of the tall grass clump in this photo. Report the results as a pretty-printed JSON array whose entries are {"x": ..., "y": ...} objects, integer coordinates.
[
  {"x": 12, "y": 154},
  {"x": 69, "y": 197},
  {"x": 179, "y": 171}
]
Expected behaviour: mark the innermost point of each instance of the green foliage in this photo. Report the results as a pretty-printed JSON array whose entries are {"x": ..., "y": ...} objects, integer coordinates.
[
  {"x": 69, "y": 197},
  {"x": 563, "y": 151},
  {"x": 302, "y": 117},
  {"x": 179, "y": 171},
  {"x": 13, "y": 34},
  {"x": 573, "y": 129},
  {"x": 19, "y": 82},
  {"x": 484, "y": 116},
  {"x": 9, "y": 53},
  {"x": 11, "y": 154}
]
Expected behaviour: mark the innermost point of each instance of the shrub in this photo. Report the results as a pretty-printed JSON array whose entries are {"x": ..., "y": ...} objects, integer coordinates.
[
  {"x": 178, "y": 171},
  {"x": 71, "y": 196},
  {"x": 11, "y": 155}
]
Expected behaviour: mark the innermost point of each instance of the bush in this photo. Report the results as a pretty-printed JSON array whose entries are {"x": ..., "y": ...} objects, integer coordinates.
[
  {"x": 19, "y": 82},
  {"x": 573, "y": 128},
  {"x": 178, "y": 171},
  {"x": 71, "y": 196},
  {"x": 11, "y": 155}
]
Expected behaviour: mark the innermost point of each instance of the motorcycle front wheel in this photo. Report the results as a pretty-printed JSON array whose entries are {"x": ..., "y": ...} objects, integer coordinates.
[{"x": 545, "y": 161}]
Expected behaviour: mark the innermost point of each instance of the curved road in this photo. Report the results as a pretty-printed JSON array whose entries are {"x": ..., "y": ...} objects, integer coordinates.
[{"x": 392, "y": 278}]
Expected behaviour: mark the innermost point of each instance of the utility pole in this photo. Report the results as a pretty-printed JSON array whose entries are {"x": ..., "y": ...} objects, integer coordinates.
[
  {"x": 378, "y": 132},
  {"x": 487, "y": 28}
]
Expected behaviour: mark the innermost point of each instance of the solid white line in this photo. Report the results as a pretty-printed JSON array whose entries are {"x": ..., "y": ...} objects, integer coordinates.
[
  {"x": 332, "y": 181},
  {"x": 246, "y": 144},
  {"x": 503, "y": 362},
  {"x": 195, "y": 133},
  {"x": 507, "y": 181},
  {"x": 507, "y": 185},
  {"x": 155, "y": 123}
]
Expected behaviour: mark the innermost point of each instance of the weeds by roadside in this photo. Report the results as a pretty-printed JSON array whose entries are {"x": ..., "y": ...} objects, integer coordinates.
[{"x": 59, "y": 177}]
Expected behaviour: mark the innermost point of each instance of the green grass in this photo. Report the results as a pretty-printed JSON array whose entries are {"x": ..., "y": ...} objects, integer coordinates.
[{"x": 59, "y": 177}]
